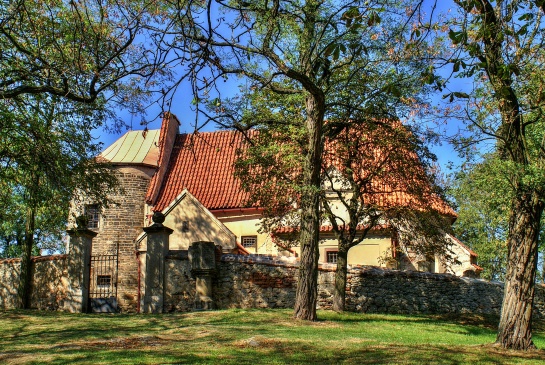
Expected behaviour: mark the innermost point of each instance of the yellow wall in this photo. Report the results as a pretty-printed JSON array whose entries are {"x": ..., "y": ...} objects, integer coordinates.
[
  {"x": 200, "y": 225},
  {"x": 464, "y": 258},
  {"x": 247, "y": 225},
  {"x": 365, "y": 253}
]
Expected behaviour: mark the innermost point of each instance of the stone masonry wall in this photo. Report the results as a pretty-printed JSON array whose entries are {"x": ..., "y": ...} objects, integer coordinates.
[
  {"x": 120, "y": 225},
  {"x": 49, "y": 283},
  {"x": 179, "y": 285},
  {"x": 261, "y": 282}
]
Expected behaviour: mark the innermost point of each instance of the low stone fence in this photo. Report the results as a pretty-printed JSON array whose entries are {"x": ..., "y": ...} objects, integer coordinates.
[
  {"x": 263, "y": 282},
  {"x": 49, "y": 282},
  {"x": 266, "y": 282}
]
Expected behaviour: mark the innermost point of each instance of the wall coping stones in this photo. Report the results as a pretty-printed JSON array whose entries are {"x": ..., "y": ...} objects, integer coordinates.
[
  {"x": 35, "y": 258},
  {"x": 261, "y": 259}
]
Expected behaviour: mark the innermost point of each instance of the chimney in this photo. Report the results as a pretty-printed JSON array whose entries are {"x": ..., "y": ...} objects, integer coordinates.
[{"x": 167, "y": 137}]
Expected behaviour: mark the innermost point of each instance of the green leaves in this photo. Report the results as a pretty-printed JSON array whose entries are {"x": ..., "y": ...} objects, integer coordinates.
[
  {"x": 483, "y": 194},
  {"x": 76, "y": 50},
  {"x": 374, "y": 19},
  {"x": 335, "y": 50},
  {"x": 457, "y": 37},
  {"x": 456, "y": 94},
  {"x": 47, "y": 159}
]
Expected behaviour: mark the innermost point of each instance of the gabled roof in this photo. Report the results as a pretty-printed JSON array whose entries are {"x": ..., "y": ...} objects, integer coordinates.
[
  {"x": 203, "y": 163},
  {"x": 185, "y": 194},
  {"x": 382, "y": 158},
  {"x": 134, "y": 147}
]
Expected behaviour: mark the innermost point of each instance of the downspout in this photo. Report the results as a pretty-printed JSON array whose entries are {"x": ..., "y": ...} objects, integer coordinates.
[{"x": 139, "y": 281}]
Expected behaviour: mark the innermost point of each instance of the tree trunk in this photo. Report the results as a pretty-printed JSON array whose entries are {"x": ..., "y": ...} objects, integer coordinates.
[
  {"x": 307, "y": 286},
  {"x": 515, "y": 328},
  {"x": 25, "y": 278},
  {"x": 543, "y": 270},
  {"x": 339, "y": 296}
]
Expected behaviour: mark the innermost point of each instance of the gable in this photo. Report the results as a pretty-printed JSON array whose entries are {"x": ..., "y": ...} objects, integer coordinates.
[{"x": 192, "y": 222}]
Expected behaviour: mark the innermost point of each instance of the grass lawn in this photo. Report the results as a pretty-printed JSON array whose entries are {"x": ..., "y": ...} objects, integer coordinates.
[{"x": 253, "y": 337}]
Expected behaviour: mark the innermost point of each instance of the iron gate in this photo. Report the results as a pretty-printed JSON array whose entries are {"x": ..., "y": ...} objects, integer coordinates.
[{"x": 103, "y": 282}]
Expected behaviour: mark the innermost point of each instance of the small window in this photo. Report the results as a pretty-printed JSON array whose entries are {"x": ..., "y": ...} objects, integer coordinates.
[
  {"x": 249, "y": 241},
  {"x": 331, "y": 257},
  {"x": 104, "y": 281},
  {"x": 92, "y": 211}
]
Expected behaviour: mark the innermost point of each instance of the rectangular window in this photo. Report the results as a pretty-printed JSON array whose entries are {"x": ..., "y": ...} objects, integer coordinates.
[
  {"x": 92, "y": 211},
  {"x": 331, "y": 257},
  {"x": 104, "y": 281},
  {"x": 249, "y": 241}
]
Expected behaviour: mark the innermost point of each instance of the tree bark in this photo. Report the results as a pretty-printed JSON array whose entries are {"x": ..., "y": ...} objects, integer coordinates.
[
  {"x": 515, "y": 328},
  {"x": 339, "y": 296},
  {"x": 307, "y": 287},
  {"x": 25, "y": 278}
]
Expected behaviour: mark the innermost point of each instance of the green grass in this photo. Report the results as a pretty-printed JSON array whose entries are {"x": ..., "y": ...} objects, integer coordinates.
[{"x": 253, "y": 337}]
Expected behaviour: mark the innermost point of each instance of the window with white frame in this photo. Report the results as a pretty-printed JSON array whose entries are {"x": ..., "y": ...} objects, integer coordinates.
[
  {"x": 92, "y": 212},
  {"x": 249, "y": 241},
  {"x": 331, "y": 256}
]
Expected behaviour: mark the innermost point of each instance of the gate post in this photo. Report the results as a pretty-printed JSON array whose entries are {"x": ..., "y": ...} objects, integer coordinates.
[
  {"x": 79, "y": 265},
  {"x": 157, "y": 250},
  {"x": 202, "y": 256}
]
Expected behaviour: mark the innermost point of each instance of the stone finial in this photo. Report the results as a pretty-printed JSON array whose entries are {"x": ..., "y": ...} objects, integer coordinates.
[{"x": 158, "y": 218}]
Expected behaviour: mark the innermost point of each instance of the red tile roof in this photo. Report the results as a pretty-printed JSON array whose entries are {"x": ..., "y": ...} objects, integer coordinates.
[
  {"x": 386, "y": 167},
  {"x": 203, "y": 163}
]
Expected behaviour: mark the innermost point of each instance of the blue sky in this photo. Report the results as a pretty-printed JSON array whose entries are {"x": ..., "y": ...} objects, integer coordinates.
[{"x": 181, "y": 106}]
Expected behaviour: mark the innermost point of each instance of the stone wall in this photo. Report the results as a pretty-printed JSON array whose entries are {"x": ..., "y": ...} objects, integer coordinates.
[
  {"x": 264, "y": 282},
  {"x": 242, "y": 282},
  {"x": 180, "y": 285},
  {"x": 120, "y": 225},
  {"x": 49, "y": 283},
  {"x": 371, "y": 289}
]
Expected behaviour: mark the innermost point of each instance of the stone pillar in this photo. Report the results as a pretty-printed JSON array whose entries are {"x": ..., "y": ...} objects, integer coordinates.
[
  {"x": 157, "y": 250},
  {"x": 202, "y": 256},
  {"x": 79, "y": 268}
]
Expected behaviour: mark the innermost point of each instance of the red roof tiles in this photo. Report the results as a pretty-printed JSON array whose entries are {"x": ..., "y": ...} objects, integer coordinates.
[{"x": 203, "y": 163}]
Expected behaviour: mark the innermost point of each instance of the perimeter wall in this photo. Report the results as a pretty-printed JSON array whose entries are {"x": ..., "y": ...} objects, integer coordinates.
[{"x": 263, "y": 282}]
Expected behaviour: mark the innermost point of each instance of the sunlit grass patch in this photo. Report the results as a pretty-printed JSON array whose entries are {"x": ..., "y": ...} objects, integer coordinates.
[{"x": 248, "y": 336}]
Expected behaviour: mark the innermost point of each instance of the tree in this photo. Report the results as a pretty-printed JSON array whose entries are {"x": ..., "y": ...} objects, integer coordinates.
[
  {"x": 47, "y": 161},
  {"x": 374, "y": 176},
  {"x": 482, "y": 197},
  {"x": 61, "y": 62},
  {"x": 482, "y": 194},
  {"x": 81, "y": 51},
  {"x": 48, "y": 234},
  {"x": 501, "y": 46},
  {"x": 293, "y": 50}
]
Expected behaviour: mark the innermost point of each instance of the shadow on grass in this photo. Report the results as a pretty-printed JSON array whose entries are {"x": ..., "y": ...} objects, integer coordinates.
[
  {"x": 240, "y": 337},
  {"x": 276, "y": 351}
]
